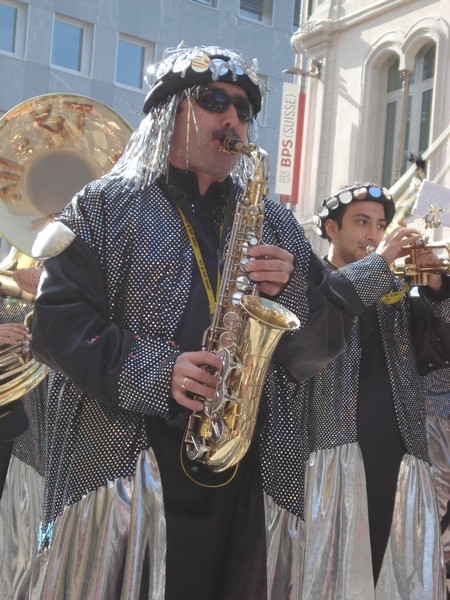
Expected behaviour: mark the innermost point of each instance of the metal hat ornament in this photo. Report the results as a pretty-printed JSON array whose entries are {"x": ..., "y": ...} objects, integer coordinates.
[
  {"x": 355, "y": 193},
  {"x": 183, "y": 68}
]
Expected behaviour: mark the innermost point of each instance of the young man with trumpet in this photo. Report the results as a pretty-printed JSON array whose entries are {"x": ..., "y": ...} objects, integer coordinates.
[{"x": 371, "y": 520}]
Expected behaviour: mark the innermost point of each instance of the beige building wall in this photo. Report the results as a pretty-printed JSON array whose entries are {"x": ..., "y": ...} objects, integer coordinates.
[{"x": 345, "y": 111}]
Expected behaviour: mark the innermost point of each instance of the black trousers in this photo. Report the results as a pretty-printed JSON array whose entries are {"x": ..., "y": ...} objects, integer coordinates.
[{"x": 215, "y": 536}]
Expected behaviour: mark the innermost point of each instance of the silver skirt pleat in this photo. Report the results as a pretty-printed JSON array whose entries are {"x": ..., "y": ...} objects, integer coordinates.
[
  {"x": 20, "y": 510},
  {"x": 285, "y": 534},
  {"x": 109, "y": 546},
  {"x": 328, "y": 557},
  {"x": 438, "y": 429}
]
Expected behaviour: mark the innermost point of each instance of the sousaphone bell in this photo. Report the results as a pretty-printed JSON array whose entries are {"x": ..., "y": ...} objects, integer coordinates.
[{"x": 50, "y": 147}]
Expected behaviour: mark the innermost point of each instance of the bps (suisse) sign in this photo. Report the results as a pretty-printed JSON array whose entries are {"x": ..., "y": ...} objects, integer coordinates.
[{"x": 287, "y": 139}]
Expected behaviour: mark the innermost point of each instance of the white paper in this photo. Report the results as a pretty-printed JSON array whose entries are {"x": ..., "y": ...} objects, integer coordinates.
[{"x": 433, "y": 200}]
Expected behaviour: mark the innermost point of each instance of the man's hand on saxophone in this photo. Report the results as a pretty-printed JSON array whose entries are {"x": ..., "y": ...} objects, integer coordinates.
[
  {"x": 192, "y": 375},
  {"x": 272, "y": 268}
]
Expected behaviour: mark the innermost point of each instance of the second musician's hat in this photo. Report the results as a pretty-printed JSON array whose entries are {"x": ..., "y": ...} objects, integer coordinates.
[
  {"x": 183, "y": 68},
  {"x": 331, "y": 207}
]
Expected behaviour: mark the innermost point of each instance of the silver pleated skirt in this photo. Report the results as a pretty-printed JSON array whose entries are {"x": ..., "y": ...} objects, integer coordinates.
[
  {"x": 328, "y": 557},
  {"x": 438, "y": 429},
  {"x": 109, "y": 546},
  {"x": 20, "y": 508}
]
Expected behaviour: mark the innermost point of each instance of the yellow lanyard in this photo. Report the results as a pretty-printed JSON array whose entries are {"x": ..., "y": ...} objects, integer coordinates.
[
  {"x": 394, "y": 297},
  {"x": 201, "y": 265}
]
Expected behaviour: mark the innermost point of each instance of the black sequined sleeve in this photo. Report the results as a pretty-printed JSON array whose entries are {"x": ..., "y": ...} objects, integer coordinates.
[
  {"x": 71, "y": 332},
  {"x": 333, "y": 305}
]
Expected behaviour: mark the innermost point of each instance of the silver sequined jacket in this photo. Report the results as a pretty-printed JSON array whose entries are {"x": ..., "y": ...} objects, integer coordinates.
[
  {"x": 437, "y": 385},
  {"x": 105, "y": 319},
  {"x": 324, "y": 407}
]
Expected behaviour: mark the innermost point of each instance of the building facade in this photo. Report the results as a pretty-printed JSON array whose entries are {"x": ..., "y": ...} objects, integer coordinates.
[
  {"x": 101, "y": 49},
  {"x": 382, "y": 95},
  {"x": 378, "y": 92}
]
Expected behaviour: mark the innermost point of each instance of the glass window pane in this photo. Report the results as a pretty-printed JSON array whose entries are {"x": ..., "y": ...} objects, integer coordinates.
[
  {"x": 296, "y": 16},
  {"x": 258, "y": 10},
  {"x": 388, "y": 154},
  {"x": 130, "y": 64},
  {"x": 428, "y": 63},
  {"x": 252, "y": 9},
  {"x": 394, "y": 79},
  {"x": 67, "y": 45},
  {"x": 406, "y": 146},
  {"x": 425, "y": 120},
  {"x": 8, "y": 23}
]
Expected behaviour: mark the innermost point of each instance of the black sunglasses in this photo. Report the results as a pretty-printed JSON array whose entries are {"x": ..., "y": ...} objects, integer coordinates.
[{"x": 215, "y": 100}]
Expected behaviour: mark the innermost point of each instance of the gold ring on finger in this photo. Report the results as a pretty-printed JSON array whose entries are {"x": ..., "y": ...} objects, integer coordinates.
[{"x": 183, "y": 384}]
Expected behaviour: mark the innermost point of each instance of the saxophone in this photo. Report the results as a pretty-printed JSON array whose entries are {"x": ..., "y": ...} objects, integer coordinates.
[{"x": 244, "y": 333}]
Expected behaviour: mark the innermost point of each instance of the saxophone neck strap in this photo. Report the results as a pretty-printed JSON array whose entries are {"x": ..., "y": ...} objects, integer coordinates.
[{"x": 201, "y": 264}]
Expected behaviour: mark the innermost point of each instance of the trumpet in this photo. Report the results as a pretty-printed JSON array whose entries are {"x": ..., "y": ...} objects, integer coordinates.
[{"x": 419, "y": 275}]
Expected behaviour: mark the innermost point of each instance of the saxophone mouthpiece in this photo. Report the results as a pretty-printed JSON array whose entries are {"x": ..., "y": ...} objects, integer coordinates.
[
  {"x": 234, "y": 145},
  {"x": 370, "y": 249}
]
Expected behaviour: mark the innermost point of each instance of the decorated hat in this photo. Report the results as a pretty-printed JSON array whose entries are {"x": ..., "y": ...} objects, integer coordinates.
[
  {"x": 186, "y": 67},
  {"x": 356, "y": 193}
]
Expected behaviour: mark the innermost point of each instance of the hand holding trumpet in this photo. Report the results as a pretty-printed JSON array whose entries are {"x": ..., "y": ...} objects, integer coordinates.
[
  {"x": 397, "y": 243},
  {"x": 421, "y": 263}
]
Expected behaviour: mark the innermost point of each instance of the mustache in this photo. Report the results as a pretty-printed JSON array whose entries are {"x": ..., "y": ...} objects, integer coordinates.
[{"x": 221, "y": 134}]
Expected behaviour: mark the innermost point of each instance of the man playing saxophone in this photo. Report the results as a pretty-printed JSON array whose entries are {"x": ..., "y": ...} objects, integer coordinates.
[{"x": 128, "y": 290}]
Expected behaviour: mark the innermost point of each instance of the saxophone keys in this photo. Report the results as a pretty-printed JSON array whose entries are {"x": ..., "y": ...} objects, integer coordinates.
[
  {"x": 196, "y": 448},
  {"x": 217, "y": 428},
  {"x": 231, "y": 320},
  {"x": 243, "y": 284},
  {"x": 226, "y": 339},
  {"x": 236, "y": 298},
  {"x": 243, "y": 262},
  {"x": 251, "y": 240},
  {"x": 196, "y": 445}
]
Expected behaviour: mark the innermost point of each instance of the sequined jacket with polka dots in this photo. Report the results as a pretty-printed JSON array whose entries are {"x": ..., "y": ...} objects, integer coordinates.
[
  {"x": 324, "y": 410},
  {"x": 105, "y": 318}
]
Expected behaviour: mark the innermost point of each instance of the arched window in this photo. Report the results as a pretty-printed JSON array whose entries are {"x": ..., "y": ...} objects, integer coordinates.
[
  {"x": 393, "y": 120},
  {"x": 422, "y": 94},
  {"x": 417, "y": 119}
]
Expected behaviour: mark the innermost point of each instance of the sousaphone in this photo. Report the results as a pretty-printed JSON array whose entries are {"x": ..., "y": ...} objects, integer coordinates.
[{"x": 50, "y": 147}]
